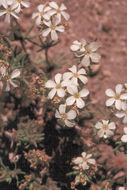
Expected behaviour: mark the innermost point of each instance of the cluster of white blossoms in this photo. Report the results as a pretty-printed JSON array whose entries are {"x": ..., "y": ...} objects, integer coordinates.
[
  {"x": 118, "y": 102},
  {"x": 87, "y": 52},
  {"x": 82, "y": 164},
  {"x": 9, "y": 79},
  {"x": 105, "y": 128},
  {"x": 67, "y": 88},
  {"x": 51, "y": 16},
  {"x": 12, "y": 8}
]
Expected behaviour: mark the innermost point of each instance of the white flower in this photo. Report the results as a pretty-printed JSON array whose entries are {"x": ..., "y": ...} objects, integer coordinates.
[
  {"x": 19, "y": 3},
  {"x": 10, "y": 10},
  {"x": 74, "y": 75},
  {"x": 123, "y": 113},
  {"x": 58, "y": 11},
  {"x": 57, "y": 86},
  {"x": 77, "y": 97},
  {"x": 66, "y": 117},
  {"x": 10, "y": 81},
  {"x": 124, "y": 137},
  {"x": 122, "y": 188},
  {"x": 69, "y": 84},
  {"x": 105, "y": 128},
  {"x": 84, "y": 161},
  {"x": 53, "y": 28},
  {"x": 90, "y": 54},
  {"x": 78, "y": 46},
  {"x": 41, "y": 14},
  {"x": 116, "y": 97}
]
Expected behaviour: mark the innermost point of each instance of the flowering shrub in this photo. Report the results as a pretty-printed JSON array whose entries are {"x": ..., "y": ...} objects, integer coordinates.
[{"x": 41, "y": 129}]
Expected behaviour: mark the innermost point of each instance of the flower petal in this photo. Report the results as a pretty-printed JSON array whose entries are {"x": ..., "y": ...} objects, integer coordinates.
[
  {"x": 124, "y": 138},
  {"x": 83, "y": 79},
  {"x": 60, "y": 28},
  {"x": 112, "y": 125},
  {"x": 73, "y": 69},
  {"x": 123, "y": 96},
  {"x": 54, "y": 35},
  {"x": 125, "y": 130},
  {"x": 120, "y": 114},
  {"x": 62, "y": 108},
  {"x": 15, "y": 73},
  {"x": 52, "y": 93},
  {"x": 82, "y": 71},
  {"x": 118, "y": 104},
  {"x": 61, "y": 92},
  {"x": 118, "y": 88},
  {"x": 98, "y": 125},
  {"x": 70, "y": 100},
  {"x": 95, "y": 57},
  {"x": 110, "y": 93},
  {"x": 58, "y": 77},
  {"x": 84, "y": 93},
  {"x": 50, "y": 84},
  {"x": 65, "y": 15},
  {"x": 93, "y": 46},
  {"x": 85, "y": 61},
  {"x": 46, "y": 32},
  {"x": 125, "y": 119},
  {"x": 53, "y": 5},
  {"x": 69, "y": 123},
  {"x": 71, "y": 115},
  {"x": 110, "y": 102},
  {"x": 91, "y": 161},
  {"x": 67, "y": 75},
  {"x": 57, "y": 114},
  {"x": 80, "y": 103}
]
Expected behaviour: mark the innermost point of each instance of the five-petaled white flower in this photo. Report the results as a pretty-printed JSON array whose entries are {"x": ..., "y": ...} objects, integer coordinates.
[
  {"x": 116, "y": 97},
  {"x": 10, "y": 10},
  {"x": 53, "y": 28},
  {"x": 58, "y": 11},
  {"x": 90, "y": 54},
  {"x": 19, "y": 3},
  {"x": 76, "y": 97},
  {"x": 105, "y": 128},
  {"x": 74, "y": 75},
  {"x": 84, "y": 161},
  {"x": 41, "y": 14},
  {"x": 66, "y": 117},
  {"x": 57, "y": 86},
  {"x": 78, "y": 46},
  {"x": 123, "y": 113},
  {"x": 10, "y": 79},
  {"x": 124, "y": 137}
]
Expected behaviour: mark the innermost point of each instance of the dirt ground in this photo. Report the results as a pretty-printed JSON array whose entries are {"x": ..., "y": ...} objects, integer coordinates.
[{"x": 104, "y": 20}]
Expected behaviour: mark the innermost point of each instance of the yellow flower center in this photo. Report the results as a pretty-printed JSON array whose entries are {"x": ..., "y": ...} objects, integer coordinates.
[
  {"x": 75, "y": 75},
  {"x": 58, "y": 11},
  {"x": 81, "y": 46},
  {"x": 105, "y": 127},
  {"x": 8, "y": 10},
  {"x": 58, "y": 86},
  {"x": 52, "y": 27},
  {"x": 19, "y": 1},
  {"x": 87, "y": 51},
  {"x": 76, "y": 95},
  {"x": 126, "y": 112},
  {"x": 41, "y": 13},
  {"x": 85, "y": 159},
  {"x": 117, "y": 97},
  {"x": 64, "y": 116},
  {"x": 7, "y": 78}
]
